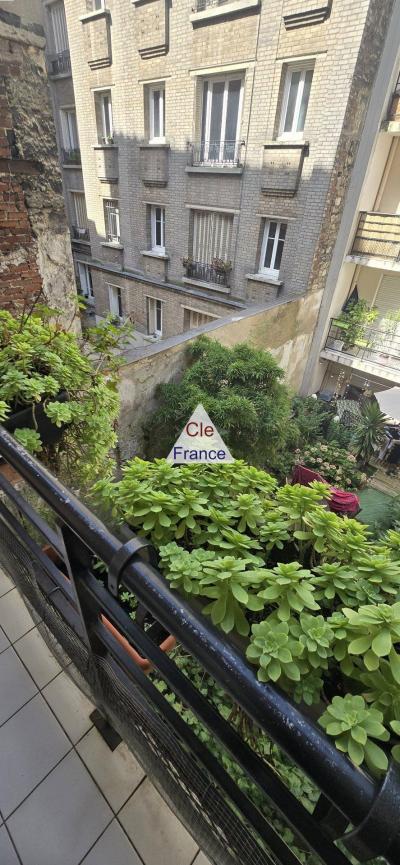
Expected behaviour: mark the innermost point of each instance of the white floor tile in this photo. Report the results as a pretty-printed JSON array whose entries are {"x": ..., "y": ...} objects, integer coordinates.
[
  {"x": 16, "y": 685},
  {"x": 70, "y": 706},
  {"x": 113, "y": 848},
  {"x": 37, "y": 657},
  {"x": 157, "y": 834},
  {"x": 14, "y": 616},
  {"x": 116, "y": 772}
]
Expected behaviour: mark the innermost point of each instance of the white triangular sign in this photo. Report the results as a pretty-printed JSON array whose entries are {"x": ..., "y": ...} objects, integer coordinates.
[{"x": 200, "y": 442}]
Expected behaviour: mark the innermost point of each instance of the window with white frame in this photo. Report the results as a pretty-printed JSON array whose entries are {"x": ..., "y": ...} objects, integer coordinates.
[
  {"x": 69, "y": 129},
  {"x": 295, "y": 100},
  {"x": 115, "y": 300},
  {"x": 79, "y": 216},
  {"x": 111, "y": 219},
  {"x": 193, "y": 318},
  {"x": 104, "y": 118},
  {"x": 154, "y": 316},
  {"x": 85, "y": 280},
  {"x": 58, "y": 27},
  {"x": 157, "y": 112},
  {"x": 157, "y": 221},
  {"x": 272, "y": 247},
  {"x": 220, "y": 119}
]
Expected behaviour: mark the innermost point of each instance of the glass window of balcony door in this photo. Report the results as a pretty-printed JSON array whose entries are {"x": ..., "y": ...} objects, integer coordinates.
[{"x": 220, "y": 125}]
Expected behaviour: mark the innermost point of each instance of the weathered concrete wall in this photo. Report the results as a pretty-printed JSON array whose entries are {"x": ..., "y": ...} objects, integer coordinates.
[
  {"x": 285, "y": 330},
  {"x": 35, "y": 251}
]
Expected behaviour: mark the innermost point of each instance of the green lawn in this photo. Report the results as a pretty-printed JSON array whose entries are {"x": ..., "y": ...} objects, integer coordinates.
[{"x": 375, "y": 507}]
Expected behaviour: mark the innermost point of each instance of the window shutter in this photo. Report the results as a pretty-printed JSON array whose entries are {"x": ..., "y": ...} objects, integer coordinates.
[{"x": 388, "y": 296}]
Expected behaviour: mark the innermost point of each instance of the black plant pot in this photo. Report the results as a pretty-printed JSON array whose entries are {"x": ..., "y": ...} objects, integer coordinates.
[{"x": 48, "y": 431}]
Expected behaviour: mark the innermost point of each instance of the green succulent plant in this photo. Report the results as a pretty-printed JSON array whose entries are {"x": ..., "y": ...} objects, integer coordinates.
[
  {"x": 354, "y": 725},
  {"x": 290, "y": 587},
  {"x": 383, "y": 690},
  {"x": 249, "y": 511},
  {"x": 373, "y": 632},
  {"x": 316, "y": 637},
  {"x": 184, "y": 570},
  {"x": 309, "y": 689},
  {"x": 230, "y": 586},
  {"x": 29, "y": 439},
  {"x": 274, "y": 651},
  {"x": 274, "y": 531}
]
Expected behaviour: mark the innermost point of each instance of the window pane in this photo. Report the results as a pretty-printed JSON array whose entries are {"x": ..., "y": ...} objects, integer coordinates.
[
  {"x": 158, "y": 315},
  {"x": 304, "y": 100},
  {"x": 279, "y": 249},
  {"x": 216, "y": 118},
  {"x": 231, "y": 119},
  {"x": 107, "y": 116},
  {"x": 156, "y": 114},
  {"x": 293, "y": 88},
  {"x": 158, "y": 226},
  {"x": 204, "y": 112}
]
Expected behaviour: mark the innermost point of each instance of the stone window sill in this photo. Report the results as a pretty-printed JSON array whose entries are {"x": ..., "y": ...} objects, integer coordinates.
[
  {"x": 213, "y": 169},
  {"x": 98, "y": 13},
  {"x": 105, "y": 146},
  {"x": 110, "y": 245},
  {"x": 151, "y": 254},
  {"x": 226, "y": 9},
  {"x": 212, "y": 286},
  {"x": 261, "y": 277}
]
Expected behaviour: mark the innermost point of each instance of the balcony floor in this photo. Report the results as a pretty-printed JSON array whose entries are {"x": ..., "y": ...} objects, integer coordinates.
[
  {"x": 65, "y": 798},
  {"x": 380, "y": 370}
]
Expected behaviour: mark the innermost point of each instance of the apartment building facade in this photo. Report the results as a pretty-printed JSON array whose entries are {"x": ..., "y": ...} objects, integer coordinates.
[{"x": 200, "y": 144}]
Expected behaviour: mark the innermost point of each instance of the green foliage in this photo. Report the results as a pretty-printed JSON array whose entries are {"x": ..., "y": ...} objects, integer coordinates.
[
  {"x": 274, "y": 651},
  {"x": 39, "y": 360},
  {"x": 369, "y": 433},
  {"x": 336, "y": 465},
  {"x": 357, "y": 319},
  {"x": 290, "y": 587},
  {"x": 373, "y": 632},
  {"x": 242, "y": 391},
  {"x": 354, "y": 725}
]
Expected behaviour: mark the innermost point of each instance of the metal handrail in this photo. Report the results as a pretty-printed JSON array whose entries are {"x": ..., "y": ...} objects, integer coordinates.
[
  {"x": 208, "y": 272},
  {"x": 375, "y": 345},
  {"x": 350, "y": 791},
  {"x": 71, "y": 156},
  {"x": 219, "y": 152},
  {"x": 60, "y": 63}
]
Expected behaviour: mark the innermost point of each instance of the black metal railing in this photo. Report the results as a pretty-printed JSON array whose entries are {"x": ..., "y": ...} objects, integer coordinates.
[
  {"x": 208, "y": 272},
  {"x": 71, "y": 156},
  {"x": 59, "y": 63},
  {"x": 378, "y": 235},
  {"x": 228, "y": 154},
  {"x": 82, "y": 616},
  {"x": 377, "y": 345},
  {"x": 80, "y": 233}
]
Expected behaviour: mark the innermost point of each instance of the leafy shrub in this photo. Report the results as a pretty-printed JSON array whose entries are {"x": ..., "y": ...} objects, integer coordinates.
[
  {"x": 369, "y": 433},
  {"x": 354, "y": 725},
  {"x": 312, "y": 597},
  {"x": 336, "y": 465}
]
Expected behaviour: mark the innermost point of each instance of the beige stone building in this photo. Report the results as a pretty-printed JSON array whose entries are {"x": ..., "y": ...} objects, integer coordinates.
[{"x": 207, "y": 149}]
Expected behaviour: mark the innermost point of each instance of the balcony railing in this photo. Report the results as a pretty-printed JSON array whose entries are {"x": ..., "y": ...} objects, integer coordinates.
[
  {"x": 201, "y": 5},
  {"x": 248, "y": 815},
  {"x": 377, "y": 345},
  {"x": 377, "y": 235},
  {"x": 71, "y": 156},
  {"x": 222, "y": 153},
  {"x": 208, "y": 272},
  {"x": 80, "y": 233},
  {"x": 59, "y": 63},
  {"x": 394, "y": 108}
]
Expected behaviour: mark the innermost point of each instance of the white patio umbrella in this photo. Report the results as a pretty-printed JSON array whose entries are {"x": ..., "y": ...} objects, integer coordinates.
[{"x": 389, "y": 402}]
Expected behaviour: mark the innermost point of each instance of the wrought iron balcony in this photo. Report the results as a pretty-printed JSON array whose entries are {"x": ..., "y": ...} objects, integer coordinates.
[
  {"x": 394, "y": 108},
  {"x": 80, "y": 233},
  {"x": 218, "y": 153},
  {"x": 71, "y": 156},
  {"x": 377, "y": 235},
  {"x": 60, "y": 63},
  {"x": 216, "y": 273},
  {"x": 377, "y": 345}
]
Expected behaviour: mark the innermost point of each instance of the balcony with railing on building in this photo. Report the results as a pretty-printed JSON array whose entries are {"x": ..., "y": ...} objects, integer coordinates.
[
  {"x": 215, "y": 273},
  {"x": 79, "y": 232},
  {"x": 377, "y": 236},
  {"x": 71, "y": 156},
  {"x": 377, "y": 346},
  {"x": 217, "y": 154},
  {"x": 59, "y": 64}
]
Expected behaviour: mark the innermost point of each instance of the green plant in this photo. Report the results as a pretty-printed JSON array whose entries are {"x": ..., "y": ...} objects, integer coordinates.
[
  {"x": 383, "y": 690},
  {"x": 274, "y": 651},
  {"x": 373, "y": 632},
  {"x": 290, "y": 587},
  {"x": 315, "y": 636},
  {"x": 369, "y": 434},
  {"x": 29, "y": 439},
  {"x": 336, "y": 465},
  {"x": 354, "y": 725},
  {"x": 357, "y": 318}
]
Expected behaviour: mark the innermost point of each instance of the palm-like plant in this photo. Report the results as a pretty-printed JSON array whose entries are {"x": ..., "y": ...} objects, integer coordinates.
[{"x": 370, "y": 432}]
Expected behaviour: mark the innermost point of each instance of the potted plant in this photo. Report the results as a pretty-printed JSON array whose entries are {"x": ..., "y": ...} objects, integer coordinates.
[{"x": 356, "y": 320}]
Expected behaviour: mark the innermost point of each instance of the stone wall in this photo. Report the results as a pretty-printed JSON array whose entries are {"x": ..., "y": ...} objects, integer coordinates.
[
  {"x": 35, "y": 251},
  {"x": 284, "y": 329}
]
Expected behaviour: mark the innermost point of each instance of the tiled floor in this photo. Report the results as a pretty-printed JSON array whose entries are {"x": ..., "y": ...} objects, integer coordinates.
[{"x": 65, "y": 798}]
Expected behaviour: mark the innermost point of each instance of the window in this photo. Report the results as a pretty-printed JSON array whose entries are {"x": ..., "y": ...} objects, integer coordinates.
[
  {"x": 98, "y": 4},
  {"x": 272, "y": 247},
  {"x": 111, "y": 217},
  {"x": 157, "y": 216},
  {"x": 80, "y": 220},
  {"x": 85, "y": 279},
  {"x": 194, "y": 318},
  {"x": 212, "y": 233},
  {"x": 157, "y": 112},
  {"x": 59, "y": 27},
  {"x": 104, "y": 118},
  {"x": 295, "y": 100},
  {"x": 154, "y": 316},
  {"x": 220, "y": 121},
  {"x": 69, "y": 129},
  {"x": 115, "y": 300}
]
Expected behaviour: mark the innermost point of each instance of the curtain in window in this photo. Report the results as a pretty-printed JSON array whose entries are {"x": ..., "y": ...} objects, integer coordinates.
[
  {"x": 212, "y": 235},
  {"x": 59, "y": 27},
  {"x": 80, "y": 209}
]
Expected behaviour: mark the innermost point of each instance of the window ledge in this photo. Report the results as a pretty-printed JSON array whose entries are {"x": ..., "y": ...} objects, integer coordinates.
[
  {"x": 110, "y": 245},
  {"x": 224, "y": 289},
  {"x": 98, "y": 13},
  {"x": 150, "y": 253},
  {"x": 230, "y": 8},
  {"x": 213, "y": 169},
  {"x": 55, "y": 76},
  {"x": 261, "y": 277},
  {"x": 105, "y": 146}
]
